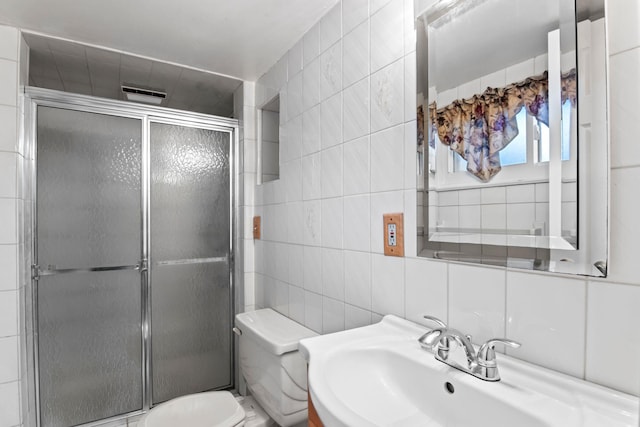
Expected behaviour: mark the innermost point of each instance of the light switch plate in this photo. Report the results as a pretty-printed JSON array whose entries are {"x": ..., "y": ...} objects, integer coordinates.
[
  {"x": 393, "y": 234},
  {"x": 256, "y": 228}
]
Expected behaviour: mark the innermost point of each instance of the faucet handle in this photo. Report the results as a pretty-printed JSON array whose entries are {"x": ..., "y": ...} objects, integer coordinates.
[
  {"x": 487, "y": 355},
  {"x": 435, "y": 320}
]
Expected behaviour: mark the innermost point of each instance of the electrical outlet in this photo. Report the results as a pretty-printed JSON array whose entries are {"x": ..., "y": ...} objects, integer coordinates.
[
  {"x": 256, "y": 228},
  {"x": 393, "y": 234}
]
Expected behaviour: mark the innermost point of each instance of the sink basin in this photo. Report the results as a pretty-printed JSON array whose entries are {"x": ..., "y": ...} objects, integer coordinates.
[{"x": 380, "y": 376}]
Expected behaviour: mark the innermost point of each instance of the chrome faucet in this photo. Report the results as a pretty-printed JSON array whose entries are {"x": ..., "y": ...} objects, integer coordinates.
[{"x": 481, "y": 365}]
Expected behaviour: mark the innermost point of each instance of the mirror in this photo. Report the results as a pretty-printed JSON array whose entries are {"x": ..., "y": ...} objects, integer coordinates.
[{"x": 513, "y": 134}]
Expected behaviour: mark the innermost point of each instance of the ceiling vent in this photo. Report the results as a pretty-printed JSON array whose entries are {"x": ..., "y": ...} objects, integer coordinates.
[{"x": 144, "y": 95}]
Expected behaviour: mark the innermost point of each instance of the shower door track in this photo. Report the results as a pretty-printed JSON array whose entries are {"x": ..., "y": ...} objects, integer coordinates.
[{"x": 35, "y": 97}]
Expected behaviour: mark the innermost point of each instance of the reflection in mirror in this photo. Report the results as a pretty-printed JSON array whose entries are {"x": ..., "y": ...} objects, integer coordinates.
[{"x": 512, "y": 133}]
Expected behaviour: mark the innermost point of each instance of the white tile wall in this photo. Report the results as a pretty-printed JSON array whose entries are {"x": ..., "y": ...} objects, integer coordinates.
[
  {"x": 10, "y": 207},
  {"x": 374, "y": 113}
]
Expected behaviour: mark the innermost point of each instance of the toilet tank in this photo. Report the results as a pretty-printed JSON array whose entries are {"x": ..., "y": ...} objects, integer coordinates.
[{"x": 274, "y": 370}]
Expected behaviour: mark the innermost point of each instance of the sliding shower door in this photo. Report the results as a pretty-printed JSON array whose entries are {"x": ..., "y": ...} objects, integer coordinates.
[
  {"x": 132, "y": 278},
  {"x": 190, "y": 241},
  {"x": 88, "y": 248}
]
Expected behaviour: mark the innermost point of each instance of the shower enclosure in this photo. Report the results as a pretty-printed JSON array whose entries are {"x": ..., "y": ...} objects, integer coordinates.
[{"x": 132, "y": 256}]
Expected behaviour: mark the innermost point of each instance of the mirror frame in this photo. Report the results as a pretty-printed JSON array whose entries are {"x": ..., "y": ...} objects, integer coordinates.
[{"x": 591, "y": 255}]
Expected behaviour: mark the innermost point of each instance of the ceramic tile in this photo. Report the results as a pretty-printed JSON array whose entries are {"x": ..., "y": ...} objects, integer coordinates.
[
  {"x": 375, "y": 5},
  {"x": 542, "y": 192},
  {"x": 311, "y": 44},
  {"x": 426, "y": 290},
  {"x": 355, "y": 317},
  {"x": 448, "y": 198},
  {"x": 411, "y": 175},
  {"x": 469, "y": 217},
  {"x": 311, "y": 130},
  {"x": 541, "y": 322},
  {"x": 469, "y": 197},
  {"x": 9, "y": 79},
  {"x": 311, "y": 183},
  {"x": 311, "y": 84},
  {"x": 410, "y": 222},
  {"x": 356, "y": 166},
  {"x": 8, "y": 313},
  {"x": 8, "y": 43},
  {"x": 409, "y": 27},
  {"x": 357, "y": 279},
  {"x": 249, "y": 289},
  {"x": 356, "y": 110},
  {"x": 332, "y": 315},
  {"x": 333, "y": 273},
  {"x": 313, "y": 311},
  {"x": 295, "y": 58},
  {"x": 331, "y": 27},
  {"x": 332, "y": 170},
  {"x": 291, "y": 175},
  {"x": 494, "y": 217},
  {"x": 448, "y": 216},
  {"x": 312, "y": 261},
  {"x": 9, "y": 359},
  {"x": 281, "y": 298},
  {"x": 382, "y": 203},
  {"x": 477, "y": 301},
  {"x": 331, "y": 71},
  {"x": 293, "y": 140},
  {"x": 623, "y": 18},
  {"x": 387, "y": 159},
  {"x": 280, "y": 227},
  {"x": 8, "y": 267},
  {"x": 612, "y": 314},
  {"x": 493, "y": 195},
  {"x": 332, "y": 219},
  {"x": 295, "y": 95},
  {"x": 331, "y": 121},
  {"x": 8, "y": 174},
  {"x": 8, "y": 232},
  {"x": 10, "y": 403},
  {"x": 282, "y": 262},
  {"x": 296, "y": 304},
  {"x": 521, "y": 216},
  {"x": 387, "y": 35},
  {"x": 625, "y": 233},
  {"x": 357, "y": 223},
  {"x": 312, "y": 223},
  {"x": 296, "y": 265},
  {"x": 356, "y": 55},
  {"x": 625, "y": 90},
  {"x": 410, "y": 88},
  {"x": 354, "y": 12},
  {"x": 387, "y": 285},
  {"x": 521, "y": 193},
  {"x": 8, "y": 123},
  {"x": 387, "y": 96}
]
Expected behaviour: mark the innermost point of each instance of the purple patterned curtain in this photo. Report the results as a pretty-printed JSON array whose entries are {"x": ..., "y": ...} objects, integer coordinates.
[{"x": 479, "y": 127}]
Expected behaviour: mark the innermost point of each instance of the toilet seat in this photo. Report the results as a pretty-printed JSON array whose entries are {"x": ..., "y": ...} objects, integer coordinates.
[{"x": 211, "y": 409}]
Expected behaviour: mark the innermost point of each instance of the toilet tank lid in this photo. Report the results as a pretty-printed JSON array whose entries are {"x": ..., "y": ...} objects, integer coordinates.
[{"x": 272, "y": 330}]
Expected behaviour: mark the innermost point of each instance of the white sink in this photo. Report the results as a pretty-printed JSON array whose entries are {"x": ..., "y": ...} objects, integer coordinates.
[{"x": 380, "y": 376}]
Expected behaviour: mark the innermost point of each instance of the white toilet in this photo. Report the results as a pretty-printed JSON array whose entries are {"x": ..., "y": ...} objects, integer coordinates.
[{"x": 275, "y": 373}]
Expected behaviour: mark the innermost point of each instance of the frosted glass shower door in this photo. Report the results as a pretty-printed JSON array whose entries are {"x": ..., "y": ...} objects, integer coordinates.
[
  {"x": 88, "y": 247},
  {"x": 189, "y": 260}
]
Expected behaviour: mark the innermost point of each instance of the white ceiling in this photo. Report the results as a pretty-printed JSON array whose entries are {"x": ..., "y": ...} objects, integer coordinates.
[
  {"x": 72, "y": 67},
  {"x": 237, "y": 38}
]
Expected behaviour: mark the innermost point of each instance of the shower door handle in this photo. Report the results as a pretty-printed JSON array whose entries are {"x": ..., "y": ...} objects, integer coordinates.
[{"x": 51, "y": 270}]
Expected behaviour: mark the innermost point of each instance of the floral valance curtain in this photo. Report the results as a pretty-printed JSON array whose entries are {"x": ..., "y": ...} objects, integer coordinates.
[{"x": 479, "y": 127}]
